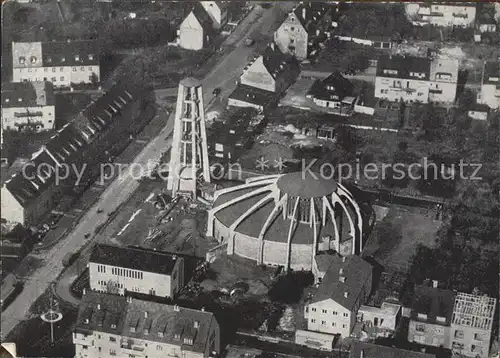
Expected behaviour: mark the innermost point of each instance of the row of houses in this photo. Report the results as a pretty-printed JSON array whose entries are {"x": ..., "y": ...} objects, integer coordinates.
[
  {"x": 461, "y": 322},
  {"x": 78, "y": 147},
  {"x": 418, "y": 79}
]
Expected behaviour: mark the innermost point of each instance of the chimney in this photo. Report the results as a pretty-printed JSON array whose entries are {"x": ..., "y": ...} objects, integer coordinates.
[
  {"x": 145, "y": 314},
  {"x": 435, "y": 283},
  {"x": 343, "y": 258},
  {"x": 346, "y": 294},
  {"x": 196, "y": 324},
  {"x": 304, "y": 12},
  {"x": 98, "y": 306},
  {"x": 272, "y": 45},
  {"x": 203, "y": 309},
  {"x": 341, "y": 271},
  {"x": 342, "y": 279},
  {"x": 177, "y": 308},
  {"x": 84, "y": 291},
  {"x": 129, "y": 299},
  {"x": 361, "y": 354}
]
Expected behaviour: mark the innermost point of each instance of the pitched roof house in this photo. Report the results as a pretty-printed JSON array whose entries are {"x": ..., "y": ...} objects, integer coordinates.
[
  {"x": 197, "y": 29},
  {"x": 369, "y": 350},
  {"x": 217, "y": 10}
]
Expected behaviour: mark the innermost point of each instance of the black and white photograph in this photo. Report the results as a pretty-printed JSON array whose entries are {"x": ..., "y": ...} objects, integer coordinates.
[{"x": 250, "y": 179}]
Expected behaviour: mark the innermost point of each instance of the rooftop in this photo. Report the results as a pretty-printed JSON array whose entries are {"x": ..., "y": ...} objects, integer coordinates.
[
  {"x": 149, "y": 321},
  {"x": 474, "y": 311},
  {"x": 406, "y": 67},
  {"x": 334, "y": 86},
  {"x": 491, "y": 73},
  {"x": 134, "y": 258},
  {"x": 344, "y": 281},
  {"x": 27, "y": 94},
  {"x": 253, "y": 95},
  {"x": 311, "y": 13},
  {"x": 432, "y": 302},
  {"x": 277, "y": 62},
  {"x": 71, "y": 53},
  {"x": 444, "y": 66},
  {"x": 369, "y": 350},
  {"x": 306, "y": 185}
]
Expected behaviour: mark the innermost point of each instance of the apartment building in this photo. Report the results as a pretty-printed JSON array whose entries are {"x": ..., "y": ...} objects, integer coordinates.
[
  {"x": 82, "y": 144},
  {"x": 446, "y": 14},
  {"x": 197, "y": 29},
  {"x": 62, "y": 63},
  {"x": 119, "y": 270},
  {"x": 490, "y": 85},
  {"x": 403, "y": 78},
  {"x": 471, "y": 325},
  {"x": 334, "y": 306},
  {"x": 118, "y": 326},
  {"x": 307, "y": 25},
  {"x": 217, "y": 10},
  {"x": 431, "y": 315},
  {"x": 273, "y": 71},
  {"x": 28, "y": 105}
]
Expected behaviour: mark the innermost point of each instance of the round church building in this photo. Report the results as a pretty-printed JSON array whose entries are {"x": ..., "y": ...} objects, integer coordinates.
[{"x": 286, "y": 219}]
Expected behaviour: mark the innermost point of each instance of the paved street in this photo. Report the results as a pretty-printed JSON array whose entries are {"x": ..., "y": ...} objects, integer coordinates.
[{"x": 224, "y": 76}]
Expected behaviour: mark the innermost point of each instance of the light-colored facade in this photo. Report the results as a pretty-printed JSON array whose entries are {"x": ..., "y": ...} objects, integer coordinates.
[
  {"x": 443, "y": 80},
  {"x": 271, "y": 72},
  {"x": 196, "y": 30},
  {"x": 490, "y": 85},
  {"x": 344, "y": 289},
  {"x": 442, "y": 15},
  {"x": 114, "y": 326},
  {"x": 471, "y": 325},
  {"x": 28, "y": 105},
  {"x": 119, "y": 270},
  {"x": 217, "y": 11},
  {"x": 384, "y": 317},
  {"x": 62, "y": 63}
]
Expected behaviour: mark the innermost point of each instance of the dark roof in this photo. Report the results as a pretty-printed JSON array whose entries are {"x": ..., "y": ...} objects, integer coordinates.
[
  {"x": 253, "y": 95},
  {"x": 37, "y": 176},
  {"x": 434, "y": 302},
  {"x": 334, "y": 86},
  {"x": 130, "y": 317},
  {"x": 491, "y": 69},
  {"x": 276, "y": 62},
  {"x": 305, "y": 185},
  {"x": 478, "y": 107},
  {"x": 71, "y": 53},
  {"x": 355, "y": 270},
  {"x": 404, "y": 65},
  {"x": 325, "y": 259},
  {"x": 134, "y": 258},
  {"x": 314, "y": 13},
  {"x": 376, "y": 351},
  {"x": 203, "y": 17},
  {"x": 27, "y": 94}
]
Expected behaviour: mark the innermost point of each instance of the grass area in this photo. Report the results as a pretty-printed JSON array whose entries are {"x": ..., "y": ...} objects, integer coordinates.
[
  {"x": 33, "y": 335},
  {"x": 394, "y": 240}
]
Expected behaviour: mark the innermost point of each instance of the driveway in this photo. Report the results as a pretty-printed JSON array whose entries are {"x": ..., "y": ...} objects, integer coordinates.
[{"x": 223, "y": 75}]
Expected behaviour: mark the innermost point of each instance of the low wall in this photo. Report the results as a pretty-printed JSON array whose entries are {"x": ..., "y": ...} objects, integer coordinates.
[{"x": 215, "y": 252}]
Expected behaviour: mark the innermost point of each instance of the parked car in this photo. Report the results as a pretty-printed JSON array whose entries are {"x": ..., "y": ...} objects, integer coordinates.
[{"x": 249, "y": 42}]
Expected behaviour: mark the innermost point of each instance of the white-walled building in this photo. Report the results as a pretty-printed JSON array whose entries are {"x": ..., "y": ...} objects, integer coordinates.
[
  {"x": 116, "y": 270},
  {"x": 442, "y": 14},
  {"x": 28, "y": 104},
  {"x": 117, "y": 326},
  {"x": 217, "y": 10},
  {"x": 416, "y": 79},
  {"x": 197, "y": 29},
  {"x": 62, "y": 63},
  {"x": 333, "y": 308},
  {"x": 443, "y": 80},
  {"x": 490, "y": 85}
]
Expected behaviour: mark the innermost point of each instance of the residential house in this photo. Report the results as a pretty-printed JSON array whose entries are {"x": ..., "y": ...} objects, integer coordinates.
[
  {"x": 217, "y": 10},
  {"x": 81, "y": 145},
  {"x": 109, "y": 325},
  {"x": 119, "y": 270},
  {"x": 336, "y": 93},
  {"x": 197, "y": 29},
  {"x": 273, "y": 71},
  {"x": 250, "y": 97},
  {"x": 479, "y": 112},
  {"x": 471, "y": 325},
  {"x": 15, "y": 241},
  {"x": 445, "y": 14},
  {"x": 333, "y": 308},
  {"x": 229, "y": 140},
  {"x": 403, "y": 78},
  {"x": 431, "y": 315},
  {"x": 490, "y": 85},
  {"x": 368, "y": 350},
  {"x": 28, "y": 105},
  {"x": 307, "y": 25},
  {"x": 62, "y": 63},
  {"x": 443, "y": 80},
  {"x": 386, "y": 317}
]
